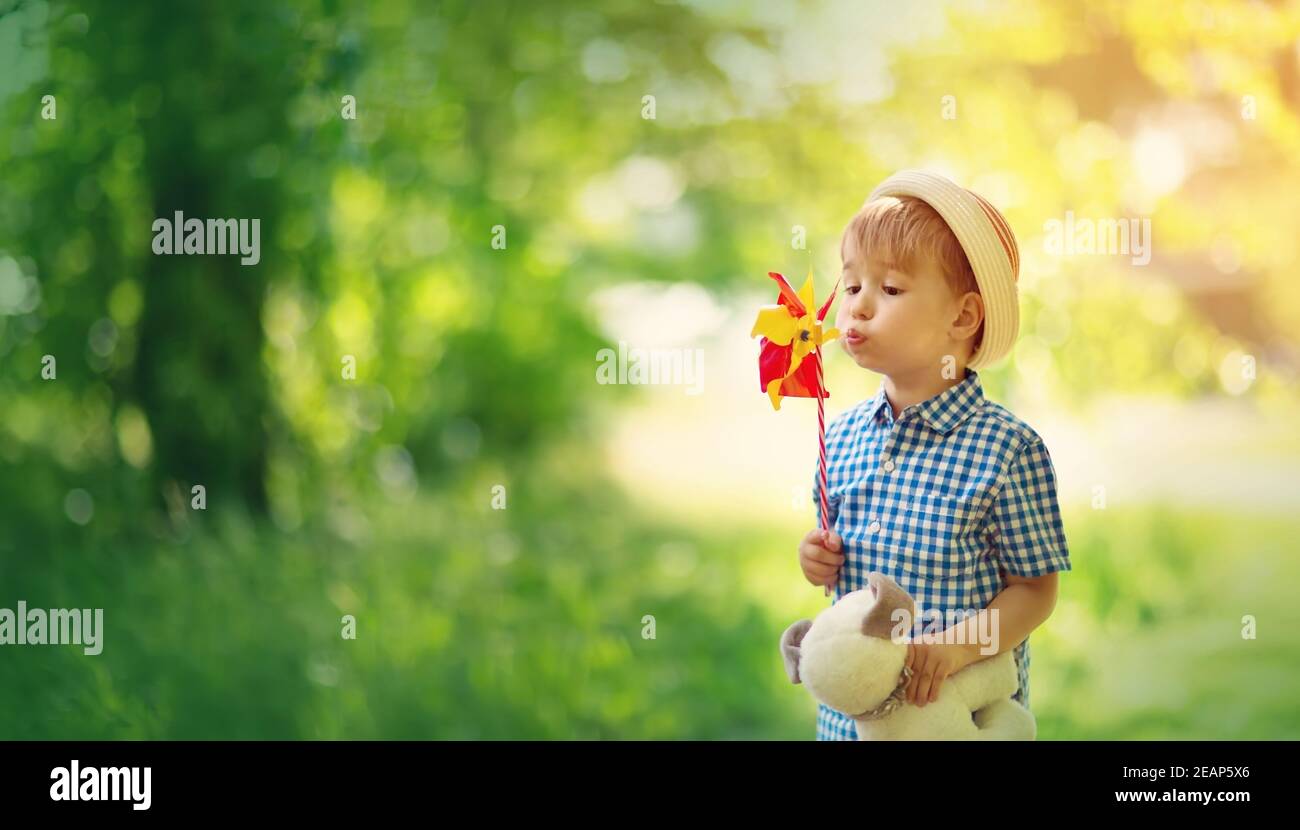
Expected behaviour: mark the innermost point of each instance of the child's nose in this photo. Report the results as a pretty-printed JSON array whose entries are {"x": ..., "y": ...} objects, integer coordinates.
[{"x": 861, "y": 306}]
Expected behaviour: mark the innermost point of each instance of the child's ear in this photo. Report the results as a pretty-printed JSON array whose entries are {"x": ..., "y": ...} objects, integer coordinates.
[
  {"x": 970, "y": 315},
  {"x": 791, "y": 652}
]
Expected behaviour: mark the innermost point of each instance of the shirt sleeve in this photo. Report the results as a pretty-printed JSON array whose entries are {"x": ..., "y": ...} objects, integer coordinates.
[
  {"x": 1026, "y": 518},
  {"x": 832, "y": 504}
]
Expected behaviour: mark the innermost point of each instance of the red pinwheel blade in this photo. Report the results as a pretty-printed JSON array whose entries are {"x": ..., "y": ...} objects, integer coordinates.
[
  {"x": 803, "y": 383},
  {"x": 774, "y": 362},
  {"x": 788, "y": 297},
  {"x": 821, "y": 314}
]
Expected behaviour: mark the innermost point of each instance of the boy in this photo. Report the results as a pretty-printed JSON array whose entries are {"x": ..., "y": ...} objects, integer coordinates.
[{"x": 928, "y": 482}]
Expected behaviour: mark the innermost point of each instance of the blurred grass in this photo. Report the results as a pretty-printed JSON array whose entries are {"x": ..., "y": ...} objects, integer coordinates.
[
  {"x": 1147, "y": 642},
  {"x": 534, "y": 631}
]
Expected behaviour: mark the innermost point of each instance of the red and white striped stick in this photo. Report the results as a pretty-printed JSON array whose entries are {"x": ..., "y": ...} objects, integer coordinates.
[{"x": 821, "y": 448}]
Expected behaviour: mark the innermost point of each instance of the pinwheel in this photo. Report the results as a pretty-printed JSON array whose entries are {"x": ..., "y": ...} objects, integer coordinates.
[{"x": 791, "y": 333}]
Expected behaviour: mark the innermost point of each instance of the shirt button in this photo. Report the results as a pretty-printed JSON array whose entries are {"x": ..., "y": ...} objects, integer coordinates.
[
  {"x": 889, "y": 465},
  {"x": 875, "y": 525}
]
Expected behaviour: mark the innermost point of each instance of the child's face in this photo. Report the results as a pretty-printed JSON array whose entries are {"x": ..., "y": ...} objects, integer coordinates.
[{"x": 906, "y": 321}]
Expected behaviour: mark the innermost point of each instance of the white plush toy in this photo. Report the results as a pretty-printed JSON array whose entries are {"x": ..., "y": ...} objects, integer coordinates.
[{"x": 848, "y": 661}]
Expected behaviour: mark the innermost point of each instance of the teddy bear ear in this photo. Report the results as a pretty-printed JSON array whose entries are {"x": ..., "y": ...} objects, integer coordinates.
[
  {"x": 791, "y": 651},
  {"x": 890, "y": 597}
]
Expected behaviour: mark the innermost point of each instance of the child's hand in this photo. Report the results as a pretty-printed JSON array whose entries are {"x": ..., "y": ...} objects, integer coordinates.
[
  {"x": 820, "y": 557},
  {"x": 931, "y": 663}
]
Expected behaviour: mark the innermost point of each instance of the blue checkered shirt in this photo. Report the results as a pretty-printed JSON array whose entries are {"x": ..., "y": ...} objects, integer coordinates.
[{"x": 947, "y": 499}]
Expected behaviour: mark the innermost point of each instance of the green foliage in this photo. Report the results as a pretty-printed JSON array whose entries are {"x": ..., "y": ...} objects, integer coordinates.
[{"x": 368, "y": 496}]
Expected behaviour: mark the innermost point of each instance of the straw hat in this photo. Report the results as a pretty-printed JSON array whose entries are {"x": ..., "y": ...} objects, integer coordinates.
[{"x": 989, "y": 244}]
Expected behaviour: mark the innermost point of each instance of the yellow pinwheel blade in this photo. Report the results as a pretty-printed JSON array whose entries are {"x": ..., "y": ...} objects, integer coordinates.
[
  {"x": 801, "y": 348},
  {"x": 775, "y": 323},
  {"x": 774, "y": 391},
  {"x": 806, "y": 295}
]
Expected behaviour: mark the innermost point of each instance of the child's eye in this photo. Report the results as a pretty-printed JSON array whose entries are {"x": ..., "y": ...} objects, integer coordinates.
[
  {"x": 891, "y": 290},
  {"x": 850, "y": 289}
]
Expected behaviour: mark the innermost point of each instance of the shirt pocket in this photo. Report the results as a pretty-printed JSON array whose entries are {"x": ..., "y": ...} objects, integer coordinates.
[{"x": 934, "y": 537}]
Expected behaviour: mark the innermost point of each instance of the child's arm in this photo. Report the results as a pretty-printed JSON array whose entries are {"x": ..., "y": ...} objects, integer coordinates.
[{"x": 1014, "y": 613}]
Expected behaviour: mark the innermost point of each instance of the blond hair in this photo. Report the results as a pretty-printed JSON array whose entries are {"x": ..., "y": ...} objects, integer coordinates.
[{"x": 900, "y": 230}]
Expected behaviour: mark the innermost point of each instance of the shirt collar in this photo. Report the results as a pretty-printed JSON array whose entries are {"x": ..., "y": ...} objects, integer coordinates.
[{"x": 943, "y": 412}]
